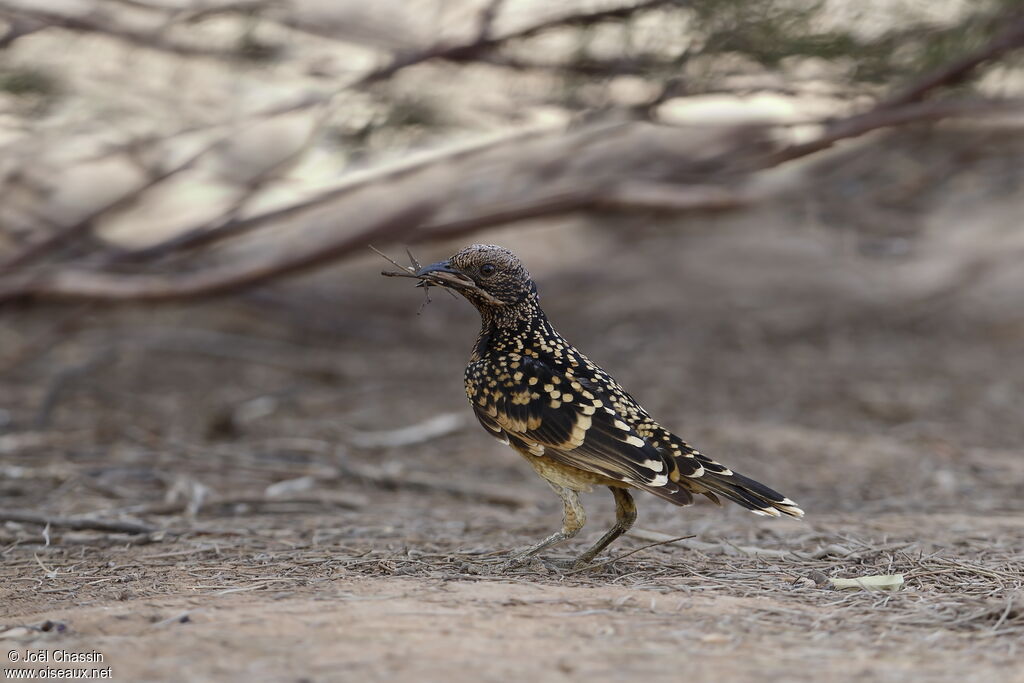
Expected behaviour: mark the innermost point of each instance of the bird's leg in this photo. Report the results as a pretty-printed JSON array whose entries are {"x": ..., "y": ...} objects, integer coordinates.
[
  {"x": 573, "y": 519},
  {"x": 625, "y": 515}
]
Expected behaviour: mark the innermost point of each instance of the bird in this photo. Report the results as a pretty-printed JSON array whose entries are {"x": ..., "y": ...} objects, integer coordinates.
[{"x": 572, "y": 421}]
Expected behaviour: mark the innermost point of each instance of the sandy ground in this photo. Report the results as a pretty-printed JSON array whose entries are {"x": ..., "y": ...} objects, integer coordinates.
[{"x": 762, "y": 339}]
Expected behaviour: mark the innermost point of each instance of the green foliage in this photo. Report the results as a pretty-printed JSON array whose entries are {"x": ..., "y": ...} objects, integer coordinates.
[
  {"x": 28, "y": 82},
  {"x": 767, "y": 32}
]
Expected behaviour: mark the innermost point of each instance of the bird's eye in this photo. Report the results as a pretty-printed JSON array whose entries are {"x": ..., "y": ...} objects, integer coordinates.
[{"x": 487, "y": 269}]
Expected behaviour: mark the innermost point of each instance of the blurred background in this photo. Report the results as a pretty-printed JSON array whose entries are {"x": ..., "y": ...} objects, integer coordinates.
[{"x": 792, "y": 229}]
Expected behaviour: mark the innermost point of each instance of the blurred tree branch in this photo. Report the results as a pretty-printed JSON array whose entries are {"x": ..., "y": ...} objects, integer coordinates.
[
  {"x": 457, "y": 191},
  {"x": 72, "y": 284},
  {"x": 1009, "y": 39},
  {"x": 106, "y": 23}
]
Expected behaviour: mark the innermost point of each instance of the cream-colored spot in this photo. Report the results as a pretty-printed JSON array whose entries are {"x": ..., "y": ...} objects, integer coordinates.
[{"x": 579, "y": 431}]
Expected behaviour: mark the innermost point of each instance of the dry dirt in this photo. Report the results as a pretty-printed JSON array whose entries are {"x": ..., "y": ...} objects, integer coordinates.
[{"x": 898, "y": 431}]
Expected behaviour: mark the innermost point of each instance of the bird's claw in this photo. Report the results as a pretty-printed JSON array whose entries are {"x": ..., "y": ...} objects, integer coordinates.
[
  {"x": 514, "y": 562},
  {"x": 522, "y": 560}
]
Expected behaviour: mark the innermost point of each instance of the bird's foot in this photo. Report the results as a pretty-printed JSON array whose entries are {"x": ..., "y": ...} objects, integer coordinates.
[
  {"x": 585, "y": 561},
  {"x": 535, "y": 562},
  {"x": 516, "y": 562}
]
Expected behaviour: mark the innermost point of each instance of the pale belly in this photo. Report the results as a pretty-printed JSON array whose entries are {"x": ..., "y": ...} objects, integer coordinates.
[{"x": 568, "y": 476}]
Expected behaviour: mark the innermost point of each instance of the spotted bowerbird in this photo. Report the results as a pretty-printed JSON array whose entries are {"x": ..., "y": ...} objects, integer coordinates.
[{"x": 576, "y": 425}]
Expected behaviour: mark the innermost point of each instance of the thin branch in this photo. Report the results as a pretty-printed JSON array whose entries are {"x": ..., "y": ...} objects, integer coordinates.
[
  {"x": 1010, "y": 39},
  {"x": 615, "y": 559},
  {"x": 19, "y": 27},
  {"x": 228, "y": 227},
  {"x": 487, "y": 17},
  {"x": 583, "y": 19},
  {"x": 100, "y": 22},
  {"x": 906, "y": 107},
  {"x": 483, "y": 43},
  {"x": 72, "y": 231},
  {"x": 102, "y": 286},
  {"x": 890, "y": 117}
]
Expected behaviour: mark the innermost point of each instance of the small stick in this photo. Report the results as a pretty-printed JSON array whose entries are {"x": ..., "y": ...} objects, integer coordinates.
[
  {"x": 410, "y": 271},
  {"x": 625, "y": 555},
  {"x": 412, "y": 259},
  {"x": 407, "y": 271}
]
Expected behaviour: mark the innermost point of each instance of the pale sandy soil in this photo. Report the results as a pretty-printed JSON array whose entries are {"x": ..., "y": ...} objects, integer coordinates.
[{"x": 897, "y": 429}]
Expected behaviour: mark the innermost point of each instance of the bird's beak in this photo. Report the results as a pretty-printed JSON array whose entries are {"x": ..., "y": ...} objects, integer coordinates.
[
  {"x": 439, "y": 267},
  {"x": 442, "y": 273}
]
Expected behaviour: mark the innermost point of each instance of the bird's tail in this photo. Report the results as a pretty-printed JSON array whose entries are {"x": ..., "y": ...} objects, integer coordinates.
[
  {"x": 697, "y": 473},
  {"x": 744, "y": 491}
]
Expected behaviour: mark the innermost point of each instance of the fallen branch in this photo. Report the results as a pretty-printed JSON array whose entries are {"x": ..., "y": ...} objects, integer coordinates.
[
  {"x": 76, "y": 523},
  {"x": 257, "y": 500}
]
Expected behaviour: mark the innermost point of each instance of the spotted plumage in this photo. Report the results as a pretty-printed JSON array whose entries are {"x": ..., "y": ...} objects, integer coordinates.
[{"x": 576, "y": 425}]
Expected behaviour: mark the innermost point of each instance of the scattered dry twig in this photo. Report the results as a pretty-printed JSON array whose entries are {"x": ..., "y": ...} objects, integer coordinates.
[{"x": 627, "y": 554}]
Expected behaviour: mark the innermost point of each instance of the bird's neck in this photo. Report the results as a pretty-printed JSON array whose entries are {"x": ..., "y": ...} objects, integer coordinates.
[{"x": 505, "y": 327}]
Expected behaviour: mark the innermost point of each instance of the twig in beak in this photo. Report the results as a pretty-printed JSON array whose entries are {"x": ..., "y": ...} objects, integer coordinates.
[
  {"x": 412, "y": 259},
  {"x": 410, "y": 272},
  {"x": 407, "y": 271},
  {"x": 426, "y": 300}
]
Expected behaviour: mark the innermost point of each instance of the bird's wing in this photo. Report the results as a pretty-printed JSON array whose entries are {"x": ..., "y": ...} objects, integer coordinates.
[{"x": 549, "y": 414}]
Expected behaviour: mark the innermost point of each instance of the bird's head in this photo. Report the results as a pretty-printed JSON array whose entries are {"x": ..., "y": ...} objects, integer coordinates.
[{"x": 490, "y": 276}]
